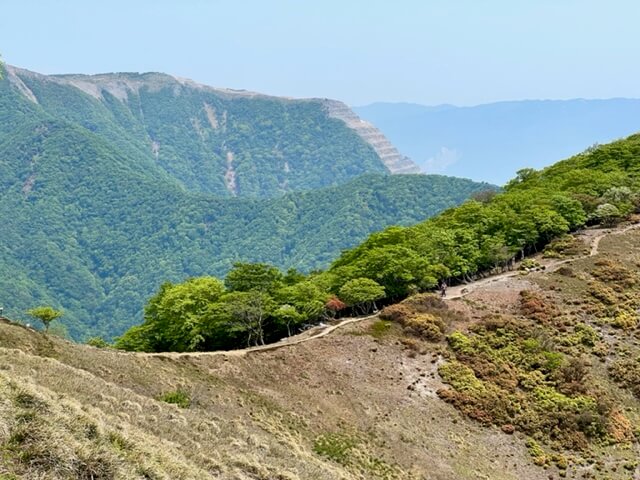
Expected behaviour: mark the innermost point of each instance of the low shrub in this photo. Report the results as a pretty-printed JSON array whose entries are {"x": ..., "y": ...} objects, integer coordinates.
[
  {"x": 533, "y": 306},
  {"x": 335, "y": 446},
  {"x": 565, "y": 271},
  {"x": 565, "y": 246},
  {"x": 177, "y": 397},
  {"x": 398, "y": 312},
  {"x": 97, "y": 342},
  {"x": 611, "y": 272},
  {"x": 627, "y": 374},
  {"x": 425, "y": 303},
  {"x": 529, "y": 264},
  {"x": 625, "y": 320},
  {"x": 424, "y": 316},
  {"x": 425, "y": 326}
]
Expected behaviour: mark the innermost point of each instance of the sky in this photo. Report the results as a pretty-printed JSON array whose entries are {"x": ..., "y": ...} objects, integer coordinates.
[{"x": 462, "y": 52}]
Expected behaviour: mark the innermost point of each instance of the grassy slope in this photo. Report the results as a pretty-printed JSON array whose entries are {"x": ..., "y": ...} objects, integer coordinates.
[
  {"x": 255, "y": 417},
  {"x": 360, "y": 403}
]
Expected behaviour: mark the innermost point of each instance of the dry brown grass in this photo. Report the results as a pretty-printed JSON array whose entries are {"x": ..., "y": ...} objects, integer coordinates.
[
  {"x": 96, "y": 412},
  {"x": 253, "y": 417}
]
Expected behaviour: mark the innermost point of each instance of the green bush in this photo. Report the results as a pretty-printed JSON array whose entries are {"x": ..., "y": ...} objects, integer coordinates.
[
  {"x": 335, "y": 446},
  {"x": 177, "y": 397}
]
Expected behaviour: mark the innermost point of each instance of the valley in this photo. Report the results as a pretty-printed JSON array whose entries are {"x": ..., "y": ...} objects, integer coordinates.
[{"x": 113, "y": 184}]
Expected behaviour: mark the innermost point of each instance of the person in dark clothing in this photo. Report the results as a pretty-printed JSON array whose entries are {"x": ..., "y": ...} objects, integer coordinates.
[{"x": 443, "y": 288}]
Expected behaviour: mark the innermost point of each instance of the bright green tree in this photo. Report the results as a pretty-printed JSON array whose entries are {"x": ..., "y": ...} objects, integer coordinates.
[
  {"x": 244, "y": 277},
  {"x": 362, "y": 293},
  {"x": 607, "y": 214},
  {"x": 45, "y": 314},
  {"x": 288, "y": 316},
  {"x": 248, "y": 313},
  {"x": 176, "y": 316},
  {"x": 307, "y": 298}
]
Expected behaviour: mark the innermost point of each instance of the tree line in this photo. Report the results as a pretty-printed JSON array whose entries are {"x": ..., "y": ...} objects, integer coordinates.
[{"x": 257, "y": 303}]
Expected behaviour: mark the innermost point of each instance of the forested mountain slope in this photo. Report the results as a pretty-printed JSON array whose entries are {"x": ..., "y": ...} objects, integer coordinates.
[
  {"x": 491, "y": 142},
  {"x": 493, "y": 231},
  {"x": 227, "y": 142},
  {"x": 93, "y": 222}
]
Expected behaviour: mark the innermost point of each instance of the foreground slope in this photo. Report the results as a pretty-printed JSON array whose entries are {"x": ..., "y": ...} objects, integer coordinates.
[
  {"x": 331, "y": 409},
  {"x": 361, "y": 403}
]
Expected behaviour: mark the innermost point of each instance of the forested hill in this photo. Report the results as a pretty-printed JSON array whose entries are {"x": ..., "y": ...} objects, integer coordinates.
[
  {"x": 92, "y": 222},
  {"x": 220, "y": 141},
  {"x": 535, "y": 211}
]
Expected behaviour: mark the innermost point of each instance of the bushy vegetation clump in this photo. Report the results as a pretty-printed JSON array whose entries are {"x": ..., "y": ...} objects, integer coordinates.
[
  {"x": 565, "y": 246},
  {"x": 424, "y": 316},
  {"x": 177, "y": 397},
  {"x": 504, "y": 373}
]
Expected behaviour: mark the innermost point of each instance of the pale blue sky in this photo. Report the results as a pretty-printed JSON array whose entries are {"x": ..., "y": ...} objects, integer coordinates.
[{"x": 430, "y": 51}]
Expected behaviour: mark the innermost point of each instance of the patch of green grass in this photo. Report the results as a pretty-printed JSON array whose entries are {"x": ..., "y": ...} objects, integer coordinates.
[
  {"x": 177, "y": 397},
  {"x": 380, "y": 328},
  {"x": 119, "y": 442},
  {"x": 335, "y": 446}
]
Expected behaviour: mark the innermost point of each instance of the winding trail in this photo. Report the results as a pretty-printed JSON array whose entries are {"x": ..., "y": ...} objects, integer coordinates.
[
  {"x": 459, "y": 291},
  {"x": 286, "y": 342}
]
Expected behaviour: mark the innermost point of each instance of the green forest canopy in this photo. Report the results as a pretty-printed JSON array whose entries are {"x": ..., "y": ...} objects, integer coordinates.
[
  {"x": 598, "y": 185},
  {"x": 92, "y": 220}
]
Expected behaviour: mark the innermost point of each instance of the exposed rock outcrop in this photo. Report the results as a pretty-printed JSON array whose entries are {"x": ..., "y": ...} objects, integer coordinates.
[{"x": 390, "y": 156}]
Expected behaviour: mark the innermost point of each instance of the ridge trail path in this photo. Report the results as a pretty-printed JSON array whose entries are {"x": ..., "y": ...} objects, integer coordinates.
[
  {"x": 303, "y": 337},
  {"x": 459, "y": 291}
]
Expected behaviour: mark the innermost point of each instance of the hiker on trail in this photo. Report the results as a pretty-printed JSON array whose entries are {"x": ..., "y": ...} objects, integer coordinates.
[{"x": 443, "y": 289}]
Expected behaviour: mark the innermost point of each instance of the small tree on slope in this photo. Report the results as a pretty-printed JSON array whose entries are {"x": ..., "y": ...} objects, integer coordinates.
[{"x": 46, "y": 315}]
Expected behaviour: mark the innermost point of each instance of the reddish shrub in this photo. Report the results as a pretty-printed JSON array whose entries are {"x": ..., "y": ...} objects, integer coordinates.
[{"x": 334, "y": 304}]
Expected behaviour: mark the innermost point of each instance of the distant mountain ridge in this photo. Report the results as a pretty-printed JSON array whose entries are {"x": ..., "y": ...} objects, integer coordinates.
[
  {"x": 209, "y": 140},
  {"x": 491, "y": 142}
]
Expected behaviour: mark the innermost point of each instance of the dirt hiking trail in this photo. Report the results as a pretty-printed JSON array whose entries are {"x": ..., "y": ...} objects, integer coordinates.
[{"x": 592, "y": 237}]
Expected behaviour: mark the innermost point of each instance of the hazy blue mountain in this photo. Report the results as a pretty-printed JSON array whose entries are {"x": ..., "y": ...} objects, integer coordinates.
[{"x": 491, "y": 142}]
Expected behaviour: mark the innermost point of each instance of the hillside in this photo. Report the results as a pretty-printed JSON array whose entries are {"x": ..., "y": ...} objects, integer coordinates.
[
  {"x": 93, "y": 222},
  {"x": 257, "y": 303},
  {"x": 221, "y": 141},
  {"x": 491, "y": 142},
  {"x": 372, "y": 400}
]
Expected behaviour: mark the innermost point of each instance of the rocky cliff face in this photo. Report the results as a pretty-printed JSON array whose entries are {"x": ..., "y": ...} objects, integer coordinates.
[{"x": 389, "y": 154}]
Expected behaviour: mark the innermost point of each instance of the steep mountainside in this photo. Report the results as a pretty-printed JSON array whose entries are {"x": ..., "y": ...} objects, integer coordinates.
[
  {"x": 491, "y": 142},
  {"x": 226, "y": 142},
  {"x": 388, "y": 153},
  {"x": 94, "y": 222}
]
